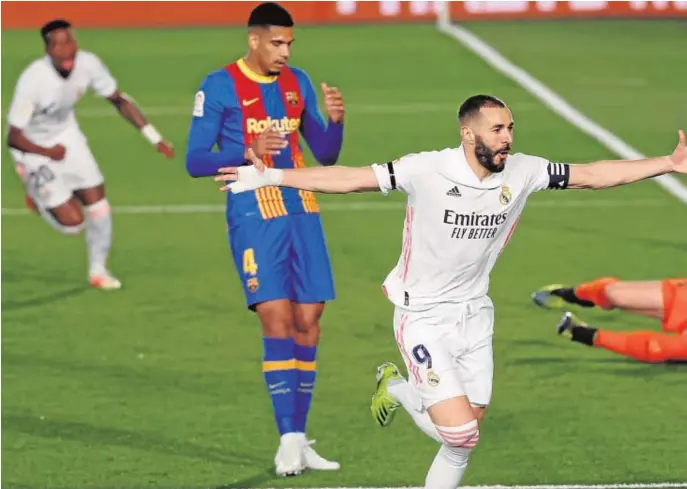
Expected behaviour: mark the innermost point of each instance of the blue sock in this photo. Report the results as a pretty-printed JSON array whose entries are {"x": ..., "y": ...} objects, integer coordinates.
[
  {"x": 281, "y": 376},
  {"x": 307, "y": 368}
]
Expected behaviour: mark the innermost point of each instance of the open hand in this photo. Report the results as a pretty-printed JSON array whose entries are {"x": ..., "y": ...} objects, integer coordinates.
[
  {"x": 245, "y": 178},
  {"x": 166, "y": 148},
  {"x": 269, "y": 142},
  {"x": 253, "y": 159},
  {"x": 334, "y": 103},
  {"x": 679, "y": 156}
]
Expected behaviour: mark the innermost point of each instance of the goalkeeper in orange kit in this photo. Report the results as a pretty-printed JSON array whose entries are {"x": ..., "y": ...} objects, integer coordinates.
[{"x": 664, "y": 300}]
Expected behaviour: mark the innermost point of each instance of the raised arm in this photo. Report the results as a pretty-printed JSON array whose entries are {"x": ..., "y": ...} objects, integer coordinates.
[
  {"x": 324, "y": 138},
  {"x": 605, "y": 174}
]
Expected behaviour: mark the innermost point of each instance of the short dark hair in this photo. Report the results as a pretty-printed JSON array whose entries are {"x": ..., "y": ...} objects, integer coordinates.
[
  {"x": 53, "y": 25},
  {"x": 474, "y": 104},
  {"x": 270, "y": 14}
]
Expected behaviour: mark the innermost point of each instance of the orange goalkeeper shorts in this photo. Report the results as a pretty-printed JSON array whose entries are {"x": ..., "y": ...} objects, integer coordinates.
[{"x": 674, "y": 305}]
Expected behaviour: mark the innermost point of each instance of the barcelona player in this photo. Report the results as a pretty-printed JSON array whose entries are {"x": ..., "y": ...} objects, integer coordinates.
[
  {"x": 665, "y": 300},
  {"x": 276, "y": 236}
]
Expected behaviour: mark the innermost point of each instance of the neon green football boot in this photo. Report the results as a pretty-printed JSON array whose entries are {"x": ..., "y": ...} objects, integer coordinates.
[
  {"x": 570, "y": 321},
  {"x": 548, "y": 297},
  {"x": 383, "y": 405},
  {"x": 558, "y": 296}
]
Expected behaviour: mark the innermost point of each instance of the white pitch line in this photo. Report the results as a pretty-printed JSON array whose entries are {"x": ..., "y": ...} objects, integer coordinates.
[
  {"x": 656, "y": 485},
  {"x": 368, "y": 109},
  {"x": 552, "y": 100},
  {"x": 359, "y": 206}
]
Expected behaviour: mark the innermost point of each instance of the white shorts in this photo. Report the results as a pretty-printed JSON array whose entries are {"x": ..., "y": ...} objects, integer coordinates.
[
  {"x": 448, "y": 350},
  {"x": 51, "y": 183}
]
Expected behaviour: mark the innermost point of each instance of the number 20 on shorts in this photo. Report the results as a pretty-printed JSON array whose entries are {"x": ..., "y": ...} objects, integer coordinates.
[{"x": 250, "y": 267}]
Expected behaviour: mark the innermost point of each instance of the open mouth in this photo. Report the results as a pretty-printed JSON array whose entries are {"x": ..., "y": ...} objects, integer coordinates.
[{"x": 67, "y": 64}]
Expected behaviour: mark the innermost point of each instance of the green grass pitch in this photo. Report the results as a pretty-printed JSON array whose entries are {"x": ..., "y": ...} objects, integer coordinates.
[{"x": 159, "y": 385}]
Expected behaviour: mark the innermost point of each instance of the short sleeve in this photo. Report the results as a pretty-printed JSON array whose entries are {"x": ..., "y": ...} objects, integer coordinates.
[
  {"x": 23, "y": 102},
  {"x": 398, "y": 174},
  {"x": 101, "y": 82},
  {"x": 547, "y": 175}
]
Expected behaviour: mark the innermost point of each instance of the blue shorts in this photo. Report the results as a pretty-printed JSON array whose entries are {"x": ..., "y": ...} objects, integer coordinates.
[{"x": 283, "y": 258}]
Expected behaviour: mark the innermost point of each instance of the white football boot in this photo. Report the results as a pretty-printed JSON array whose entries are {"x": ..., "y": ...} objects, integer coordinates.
[
  {"x": 314, "y": 461},
  {"x": 104, "y": 281},
  {"x": 290, "y": 459}
]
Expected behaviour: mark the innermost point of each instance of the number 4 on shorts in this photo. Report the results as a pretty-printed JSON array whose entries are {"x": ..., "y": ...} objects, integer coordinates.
[{"x": 249, "y": 265}]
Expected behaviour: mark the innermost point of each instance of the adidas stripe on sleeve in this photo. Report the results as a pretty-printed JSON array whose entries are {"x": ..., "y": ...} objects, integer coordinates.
[{"x": 559, "y": 176}]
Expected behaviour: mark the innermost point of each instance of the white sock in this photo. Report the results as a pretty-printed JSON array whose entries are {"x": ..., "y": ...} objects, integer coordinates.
[
  {"x": 98, "y": 235},
  {"x": 448, "y": 468},
  {"x": 402, "y": 392}
]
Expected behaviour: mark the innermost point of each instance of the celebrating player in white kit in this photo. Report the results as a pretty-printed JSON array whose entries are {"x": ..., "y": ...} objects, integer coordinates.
[
  {"x": 463, "y": 205},
  {"x": 62, "y": 179}
]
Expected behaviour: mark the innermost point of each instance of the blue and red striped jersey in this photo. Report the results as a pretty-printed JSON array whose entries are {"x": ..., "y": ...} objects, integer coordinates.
[{"x": 232, "y": 107}]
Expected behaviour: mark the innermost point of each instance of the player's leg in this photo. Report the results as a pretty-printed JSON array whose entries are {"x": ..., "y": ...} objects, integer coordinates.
[
  {"x": 98, "y": 236},
  {"x": 261, "y": 254},
  {"x": 588, "y": 294},
  {"x": 434, "y": 395},
  {"x": 474, "y": 356},
  {"x": 650, "y": 313},
  {"x": 313, "y": 286},
  {"x": 634, "y": 295},
  {"x": 645, "y": 346},
  {"x": 452, "y": 422},
  {"x": 640, "y": 297},
  {"x": 86, "y": 179},
  {"x": 20, "y": 169},
  {"x": 48, "y": 192},
  {"x": 674, "y": 317},
  {"x": 306, "y": 337}
]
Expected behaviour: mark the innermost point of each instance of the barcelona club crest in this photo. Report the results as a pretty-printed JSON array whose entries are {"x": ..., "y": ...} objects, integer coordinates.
[
  {"x": 506, "y": 195},
  {"x": 252, "y": 284},
  {"x": 292, "y": 98}
]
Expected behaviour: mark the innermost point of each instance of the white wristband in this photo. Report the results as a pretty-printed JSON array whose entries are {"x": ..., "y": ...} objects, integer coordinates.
[
  {"x": 150, "y": 133},
  {"x": 274, "y": 175}
]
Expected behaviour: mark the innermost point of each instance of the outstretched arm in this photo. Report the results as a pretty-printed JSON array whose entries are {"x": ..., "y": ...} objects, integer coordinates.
[
  {"x": 322, "y": 179},
  {"x": 332, "y": 180},
  {"x": 327, "y": 180},
  {"x": 105, "y": 86},
  {"x": 128, "y": 109},
  {"x": 605, "y": 174}
]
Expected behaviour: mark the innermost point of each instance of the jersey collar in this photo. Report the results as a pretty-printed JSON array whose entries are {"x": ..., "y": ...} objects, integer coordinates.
[{"x": 251, "y": 75}]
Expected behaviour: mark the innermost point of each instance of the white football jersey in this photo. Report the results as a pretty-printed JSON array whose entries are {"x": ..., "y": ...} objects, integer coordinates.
[
  {"x": 456, "y": 225},
  {"x": 43, "y": 102}
]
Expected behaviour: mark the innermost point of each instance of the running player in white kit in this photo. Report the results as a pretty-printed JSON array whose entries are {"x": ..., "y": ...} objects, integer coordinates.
[
  {"x": 463, "y": 205},
  {"x": 62, "y": 179}
]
